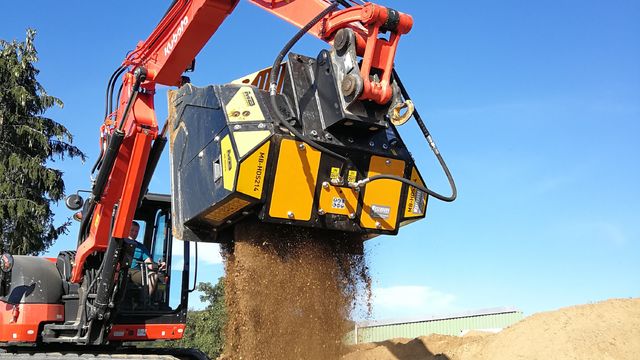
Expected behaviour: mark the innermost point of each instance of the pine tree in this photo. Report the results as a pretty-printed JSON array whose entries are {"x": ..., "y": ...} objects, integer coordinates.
[{"x": 28, "y": 142}]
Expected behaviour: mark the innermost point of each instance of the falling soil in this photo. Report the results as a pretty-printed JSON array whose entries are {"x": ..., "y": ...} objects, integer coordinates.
[
  {"x": 605, "y": 330},
  {"x": 290, "y": 291}
]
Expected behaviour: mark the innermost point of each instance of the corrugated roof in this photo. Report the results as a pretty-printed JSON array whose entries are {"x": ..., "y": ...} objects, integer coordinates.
[{"x": 424, "y": 318}]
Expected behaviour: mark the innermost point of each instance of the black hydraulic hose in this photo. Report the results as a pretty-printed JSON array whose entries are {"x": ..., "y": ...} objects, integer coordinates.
[
  {"x": 86, "y": 220},
  {"x": 273, "y": 90},
  {"x": 98, "y": 161},
  {"x": 276, "y": 63},
  {"x": 112, "y": 87},
  {"x": 107, "y": 164},
  {"x": 432, "y": 145},
  {"x": 454, "y": 191},
  {"x": 112, "y": 79},
  {"x": 119, "y": 93},
  {"x": 273, "y": 87},
  {"x": 108, "y": 108},
  {"x": 140, "y": 74},
  {"x": 434, "y": 148}
]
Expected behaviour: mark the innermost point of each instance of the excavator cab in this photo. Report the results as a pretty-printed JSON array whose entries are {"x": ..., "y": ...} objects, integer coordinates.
[
  {"x": 159, "y": 314},
  {"x": 42, "y": 286},
  {"x": 154, "y": 236}
]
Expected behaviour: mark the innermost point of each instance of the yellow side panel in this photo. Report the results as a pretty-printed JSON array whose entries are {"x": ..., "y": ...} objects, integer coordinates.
[
  {"x": 247, "y": 140},
  {"x": 295, "y": 181},
  {"x": 227, "y": 209},
  {"x": 416, "y": 199},
  {"x": 381, "y": 201},
  {"x": 244, "y": 106},
  {"x": 252, "y": 172},
  {"x": 339, "y": 200},
  {"x": 229, "y": 163}
]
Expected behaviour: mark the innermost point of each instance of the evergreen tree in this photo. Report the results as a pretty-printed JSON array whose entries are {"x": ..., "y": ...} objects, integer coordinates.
[{"x": 28, "y": 141}]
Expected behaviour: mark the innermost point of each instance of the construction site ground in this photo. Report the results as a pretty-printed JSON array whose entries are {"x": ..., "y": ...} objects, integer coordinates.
[{"x": 605, "y": 331}]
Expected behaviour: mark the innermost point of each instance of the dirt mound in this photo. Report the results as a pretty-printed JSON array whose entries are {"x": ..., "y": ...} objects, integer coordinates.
[
  {"x": 289, "y": 292},
  {"x": 606, "y": 330}
]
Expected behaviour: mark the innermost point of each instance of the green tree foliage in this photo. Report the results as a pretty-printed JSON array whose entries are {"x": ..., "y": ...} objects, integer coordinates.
[
  {"x": 205, "y": 328},
  {"x": 28, "y": 141}
]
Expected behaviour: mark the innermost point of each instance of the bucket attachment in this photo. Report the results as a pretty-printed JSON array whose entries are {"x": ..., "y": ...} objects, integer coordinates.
[{"x": 231, "y": 157}]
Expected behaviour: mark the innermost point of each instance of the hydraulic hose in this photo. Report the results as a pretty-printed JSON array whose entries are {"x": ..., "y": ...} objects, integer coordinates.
[
  {"x": 432, "y": 145},
  {"x": 110, "y": 84},
  {"x": 108, "y": 108},
  {"x": 273, "y": 87},
  {"x": 275, "y": 69},
  {"x": 436, "y": 152},
  {"x": 140, "y": 75}
]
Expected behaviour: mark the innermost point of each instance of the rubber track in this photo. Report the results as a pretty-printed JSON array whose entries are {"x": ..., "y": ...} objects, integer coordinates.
[
  {"x": 70, "y": 356},
  {"x": 120, "y": 354}
]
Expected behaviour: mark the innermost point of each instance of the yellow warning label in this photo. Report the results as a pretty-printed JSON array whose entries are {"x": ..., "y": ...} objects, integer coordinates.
[
  {"x": 229, "y": 163},
  {"x": 353, "y": 176},
  {"x": 335, "y": 173},
  {"x": 252, "y": 172},
  {"x": 227, "y": 209},
  {"x": 416, "y": 199},
  {"x": 247, "y": 140},
  {"x": 244, "y": 106}
]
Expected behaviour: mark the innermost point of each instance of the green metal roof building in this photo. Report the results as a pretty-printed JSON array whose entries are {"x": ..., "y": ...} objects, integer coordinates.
[{"x": 492, "y": 320}]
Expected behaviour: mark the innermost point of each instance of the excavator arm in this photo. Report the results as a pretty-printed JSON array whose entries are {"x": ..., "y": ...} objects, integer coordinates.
[{"x": 131, "y": 141}]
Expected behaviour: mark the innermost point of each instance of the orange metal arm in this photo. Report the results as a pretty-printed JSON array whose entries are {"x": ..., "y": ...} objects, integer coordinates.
[
  {"x": 167, "y": 53},
  {"x": 367, "y": 21},
  {"x": 178, "y": 38}
]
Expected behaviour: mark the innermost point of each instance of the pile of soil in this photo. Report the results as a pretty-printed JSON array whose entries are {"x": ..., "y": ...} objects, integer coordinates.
[
  {"x": 605, "y": 330},
  {"x": 289, "y": 292}
]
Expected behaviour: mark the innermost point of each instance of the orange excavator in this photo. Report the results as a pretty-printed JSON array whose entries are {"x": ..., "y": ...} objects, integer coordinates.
[{"x": 310, "y": 141}]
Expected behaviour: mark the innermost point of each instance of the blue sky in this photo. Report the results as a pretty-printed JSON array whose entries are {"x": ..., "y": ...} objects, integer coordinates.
[{"x": 535, "y": 105}]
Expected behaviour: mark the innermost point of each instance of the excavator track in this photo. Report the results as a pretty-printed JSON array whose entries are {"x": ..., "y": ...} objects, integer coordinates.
[
  {"x": 72, "y": 356},
  {"x": 118, "y": 354}
]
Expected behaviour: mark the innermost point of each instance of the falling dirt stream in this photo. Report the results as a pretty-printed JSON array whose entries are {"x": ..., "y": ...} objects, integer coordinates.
[{"x": 290, "y": 292}]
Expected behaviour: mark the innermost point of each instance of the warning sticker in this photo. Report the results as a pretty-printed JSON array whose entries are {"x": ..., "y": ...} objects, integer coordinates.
[
  {"x": 337, "y": 203},
  {"x": 380, "y": 211},
  {"x": 419, "y": 201},
  {"x": 335, "y": 173},
  {"x": 353, "y": 176},
  {"x": 416, "y": 199}
]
